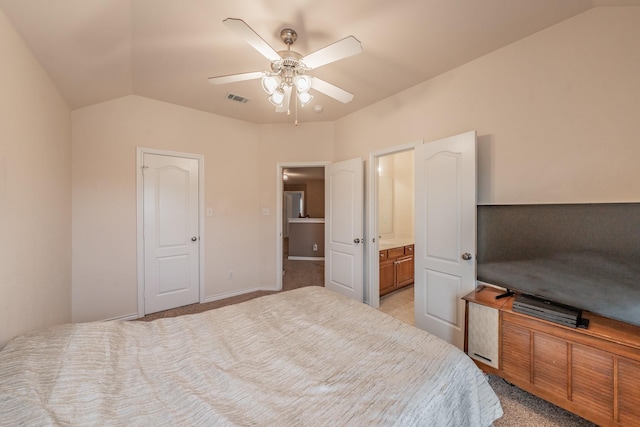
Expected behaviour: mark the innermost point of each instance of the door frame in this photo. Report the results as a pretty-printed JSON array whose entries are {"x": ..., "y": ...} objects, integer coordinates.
[
  {"x": 140, "y": 152},
  {"x": 280, "y": 167},
  {"x": 372, "y": 259}
]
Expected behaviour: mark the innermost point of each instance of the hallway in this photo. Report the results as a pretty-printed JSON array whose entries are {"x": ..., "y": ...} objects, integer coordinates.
[{"x": 297, "y": 274}]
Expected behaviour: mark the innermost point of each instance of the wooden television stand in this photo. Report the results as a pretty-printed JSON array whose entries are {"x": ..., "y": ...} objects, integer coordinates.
[{"x": 593, "y": 372}]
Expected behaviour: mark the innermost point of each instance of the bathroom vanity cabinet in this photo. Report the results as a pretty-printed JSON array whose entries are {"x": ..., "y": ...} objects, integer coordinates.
[{"x": 396, "y": 268}]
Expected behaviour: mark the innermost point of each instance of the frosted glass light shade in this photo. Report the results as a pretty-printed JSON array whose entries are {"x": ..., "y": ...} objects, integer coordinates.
[
  {"x": 270, "y": 84},
  {"x": 302, "y": 83},
  {"x": 304, "y": 98},
  {"x": 277, "y": 97}
]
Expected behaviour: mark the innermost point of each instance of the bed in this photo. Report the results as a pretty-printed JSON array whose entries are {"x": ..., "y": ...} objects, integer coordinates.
[{"x": 297, "y": 358}]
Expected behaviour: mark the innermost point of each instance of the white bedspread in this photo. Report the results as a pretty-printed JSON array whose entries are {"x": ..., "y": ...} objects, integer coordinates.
[{"x": 298, "y": 358}]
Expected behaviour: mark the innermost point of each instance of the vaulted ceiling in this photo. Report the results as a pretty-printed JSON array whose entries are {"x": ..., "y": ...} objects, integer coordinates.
[{"x": 98, "y": 50}]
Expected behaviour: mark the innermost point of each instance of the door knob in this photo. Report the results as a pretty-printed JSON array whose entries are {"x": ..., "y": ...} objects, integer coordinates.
[
  {"x": 194, "y": 238},
  {"x": 466, "y": 256},
  {"x": 356, "y": 240}
]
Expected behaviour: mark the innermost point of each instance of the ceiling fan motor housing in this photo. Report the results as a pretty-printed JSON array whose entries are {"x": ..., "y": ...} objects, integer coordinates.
[
  {"x": 288, "y": 36},
  {"x": 290, "y": 65}
]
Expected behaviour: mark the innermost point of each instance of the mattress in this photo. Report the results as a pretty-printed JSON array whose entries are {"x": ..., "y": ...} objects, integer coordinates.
[{"x": 302, "y": 357}]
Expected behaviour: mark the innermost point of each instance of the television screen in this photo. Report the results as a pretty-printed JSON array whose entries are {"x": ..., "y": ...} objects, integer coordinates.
[{"x": 582, "y": 255}]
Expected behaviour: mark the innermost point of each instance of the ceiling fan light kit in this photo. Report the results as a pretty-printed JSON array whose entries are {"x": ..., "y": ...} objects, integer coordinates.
[{"x": 289, "y": 69}]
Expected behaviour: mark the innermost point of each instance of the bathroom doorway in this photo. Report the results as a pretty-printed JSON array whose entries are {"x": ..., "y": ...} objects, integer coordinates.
[{"x": 391, "y": 210}]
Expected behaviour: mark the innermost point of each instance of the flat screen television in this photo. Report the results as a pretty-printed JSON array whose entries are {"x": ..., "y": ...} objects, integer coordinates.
[{"x": 582, "y": 255}]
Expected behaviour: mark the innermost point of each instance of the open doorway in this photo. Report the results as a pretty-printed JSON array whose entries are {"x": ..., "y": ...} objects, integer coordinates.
[
  {"x": 391, "y": 211},
  {"x": 396, "y": 234},
  {"x": 301, "y": 215}
]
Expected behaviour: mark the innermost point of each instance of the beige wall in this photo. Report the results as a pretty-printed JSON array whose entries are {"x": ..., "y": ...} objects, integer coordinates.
[
  {"x": 556, "y": 113},
  {"x": 303, "y": 237},
  {"x": 35, "y": 193},
  {"x": 240, "y": 179},
  {"x": 313, "y": 196}
]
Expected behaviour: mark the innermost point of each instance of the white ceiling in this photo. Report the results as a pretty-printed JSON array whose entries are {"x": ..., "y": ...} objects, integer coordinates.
[{"x": 97, "y": 50}]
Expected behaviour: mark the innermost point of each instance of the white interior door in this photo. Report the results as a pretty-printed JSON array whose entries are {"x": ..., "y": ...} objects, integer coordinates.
[
  {"x": 171, "y": 232},
  {"x": 344, "y": 238},
  {"x": 445, "y": 199}
]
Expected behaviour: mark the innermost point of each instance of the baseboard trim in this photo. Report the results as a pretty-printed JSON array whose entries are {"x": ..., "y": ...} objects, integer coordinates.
[
  {"x": 236, "y": 293},
  {"x": 125, "y": 317}
]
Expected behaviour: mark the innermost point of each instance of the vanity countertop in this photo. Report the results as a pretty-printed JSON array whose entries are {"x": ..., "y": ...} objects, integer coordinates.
[{"x": 385, "y": 244}]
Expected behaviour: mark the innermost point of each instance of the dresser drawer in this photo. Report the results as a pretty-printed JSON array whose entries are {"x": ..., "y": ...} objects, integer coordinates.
[
  {"x": 396, "y": 252},
  {"x": 408, "y": 250},
  {"x": 384, "y": 255}
]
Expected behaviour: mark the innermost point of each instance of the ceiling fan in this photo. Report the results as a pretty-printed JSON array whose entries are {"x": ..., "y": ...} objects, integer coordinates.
[{"x": 289, "y": 68}]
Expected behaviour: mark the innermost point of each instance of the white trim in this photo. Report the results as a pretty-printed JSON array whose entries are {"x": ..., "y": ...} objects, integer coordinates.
[
  {"x": 140, "y": 152},
  {"x": 280, "y": 167},
  {"x": 306, "y": 220},
  {"x": 133, "y": 316},
  {"x": 306, "y": 258},
  {"x": 371, "y": 249}
]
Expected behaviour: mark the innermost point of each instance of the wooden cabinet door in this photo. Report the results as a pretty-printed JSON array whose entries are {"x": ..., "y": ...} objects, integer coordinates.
[
  {"x": 550, "y": 364},
  {"x": 515, "y": 354},
  {"x": 592, "y": 374},
  {"x": 404, "y": 271},
  {"x": 628, "y": 391},
  {"x": 387, "y": 276}
]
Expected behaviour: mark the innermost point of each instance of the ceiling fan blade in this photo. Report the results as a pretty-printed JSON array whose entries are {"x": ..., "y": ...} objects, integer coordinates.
[
  {"x": 286, "y": 102},
  {"x": 333, "y": 91},
  {"x": 231, "y": 78},
  {"x": 341, "y": 49},
  {"x": 241, "y": 28}
]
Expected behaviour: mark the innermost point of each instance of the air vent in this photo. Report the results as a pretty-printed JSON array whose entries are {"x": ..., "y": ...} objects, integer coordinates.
[{"x": 237, "y": 98}]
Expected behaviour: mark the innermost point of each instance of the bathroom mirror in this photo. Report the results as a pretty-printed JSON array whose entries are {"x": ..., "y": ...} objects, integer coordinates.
[{"x": 385, "y": 205}]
